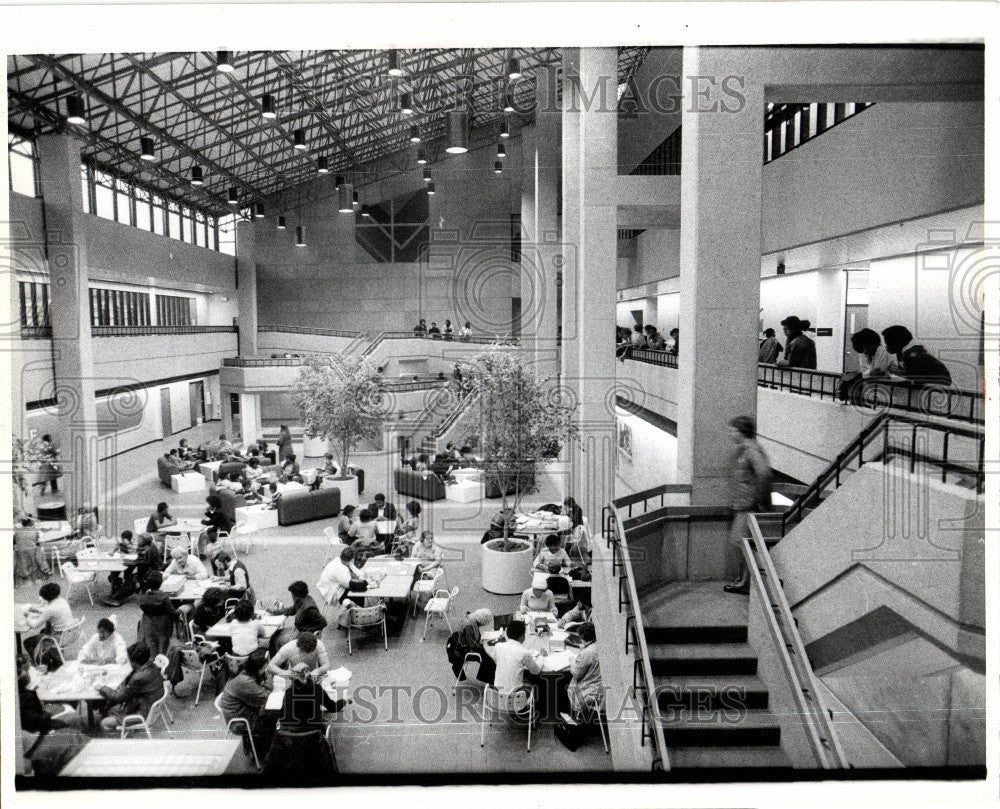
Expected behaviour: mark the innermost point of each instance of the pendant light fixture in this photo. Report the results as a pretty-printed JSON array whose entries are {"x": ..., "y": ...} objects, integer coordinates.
[
  {"x": 497, "y": 167},
  {"x": 406, "y": 103},
  {"x": 508, "y": 96},
  {"x": 414, "y": 134},
  {"x": 501, "y": 150},
  {"x": 345, "y": 198},
  {"x": 282, "y": 223},
  {"x": 505, "y": 132},
  {"x": 300, "y": 236},
  {"x": 339, "y": 181},
  {"x": 458, "y": 132},
  {"x": 324, "y": 165},
  {"x": 427, "y": 175},
  {"x": 395, "y": 69},
  {"x": 430, "y": 189},
  {"x": 76, "y": 109},
  {"x": 268, "y": 108},
  {"x": 299, "y": 139},
  {"x": 355, "y": 201},
  {"x": 421, "y": 156},
  {"x": 513, "y": 68},
  {"x": 197, "y": 175},
  {"x": 224, "y": 61},
  {"x": 147, "y": 149},
  {"x": 258, "y": 210},
  {"x": 234, "y": 195}
]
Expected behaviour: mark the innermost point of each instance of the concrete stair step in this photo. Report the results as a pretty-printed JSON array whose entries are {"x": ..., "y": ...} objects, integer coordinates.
[
  {"x": 759, "y": 758},
  {"x": 701, "y": 693},
  {"x": 751, "y": 729},
  {"x": 695, "y": 634}
]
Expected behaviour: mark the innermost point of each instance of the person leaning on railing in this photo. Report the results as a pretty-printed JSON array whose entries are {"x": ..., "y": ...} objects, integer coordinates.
[{"x": 874, "y": 361}]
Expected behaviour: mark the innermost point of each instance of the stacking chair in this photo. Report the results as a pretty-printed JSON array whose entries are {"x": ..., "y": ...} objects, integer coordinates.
[
  {"x": 333, "y": 544},
  {"x": 70, "y": 635},
  {"x": 239, "y": 721},
  {"x": 593, "y": 705},
  {"x": 470, "y": 657},
  {"x": 75, "y": 577},
  {"x": 511, "y": 704},
  {"x": 158, "y": 710},
  {"x": 425, "y": 585},
  {"x": 439, "y": 605},
  {"x": 224, "y": 540},
  {"x": 364, "y": 617},
  {"x": 192, "y": 658},
  {"x": 47, "y": 642}
]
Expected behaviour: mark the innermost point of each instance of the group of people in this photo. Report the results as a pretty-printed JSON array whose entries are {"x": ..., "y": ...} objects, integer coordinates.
[
  {"x": 646, "y": 336},
  {"x": 437, "y": 333},
  {"x": 443, "y": 463}
]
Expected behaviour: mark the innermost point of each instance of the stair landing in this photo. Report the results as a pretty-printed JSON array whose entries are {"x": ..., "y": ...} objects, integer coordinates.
[{"x": 692, "y": 603}]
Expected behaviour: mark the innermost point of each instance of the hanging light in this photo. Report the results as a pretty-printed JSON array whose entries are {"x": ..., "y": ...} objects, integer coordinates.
[
  {"x": 345, "y": 198},
  {"x": 282, "y": 224},
  {"x": 508, "y": 105},
  {"x": 258, "y": 210},
  {"x": 234, "y": 195},
  {"x": 299, "y": 139},
  {"x": 197, "y": 175},
  {"x": 224, "y": 61},
  {"x": 147, "y": 149},
  {"x": 497, "y": 167},
  {"x": 427, "y": 175},
  {"x": 324, "y": 165},
  {"x": 76, "y": 109},
  {"x": 514, "y": 68},
  {"x": 501, "y": 150},
  {"x": 421, "y": 156},
  {"x": 355, "y": 201},
  {"x": 430, "y": 189},
  {"x": 458, "y": 132},
  {"x": 339, "y": 181},
  {"x": 300, "y": 236},
  {"x": 414, "y": 134},
  {"x": 406, "y": 103},
  {"x": 505, "y": 132},
  {"x": 268, "y": 108},
  {"x": 395, "y": 69}
]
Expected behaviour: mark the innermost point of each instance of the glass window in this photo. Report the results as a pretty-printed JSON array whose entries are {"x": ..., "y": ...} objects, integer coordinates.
[
  {"x": 174, "y": 220},
  {"x": 21, "y": 159},
  {"x": 199, "y": 230},
  {"x": 104, "y": 195},
  {"x": 227, "y": 234},
  {"x": 159, "y": 220},
  {"x": 143, "y": 209},
  {"x": 85, "y": 188},
  {"x": 123, "y": 202}
]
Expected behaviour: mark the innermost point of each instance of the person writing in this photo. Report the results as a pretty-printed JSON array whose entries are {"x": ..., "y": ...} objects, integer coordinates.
[
  {"x": 553, "y": 557},
  {"x": 245, "y": 629},
  {"x": 53, "y": 617},
  {"x": 513, "y": 659},
  {"x": 538, "y": 598},
  {"x": 585, "y": 689},
  {"x": 185, "y": 564},
  {"x": 160, "y": 519},
  {"x": 143, "y": 686},
  {"x": 305, "y": 651},
  {"x": 427, "y": 553},
  {"x": 245, "y": 696},
  {"x": 106, "y": 646}
]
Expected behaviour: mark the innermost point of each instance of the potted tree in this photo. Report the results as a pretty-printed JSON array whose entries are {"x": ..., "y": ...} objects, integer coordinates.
[
  {"x": 341, "y": 400},
  {"x": 520, "y": 427}
]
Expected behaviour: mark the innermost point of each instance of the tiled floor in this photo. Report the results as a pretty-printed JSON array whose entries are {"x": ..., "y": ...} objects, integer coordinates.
[{"x": 405, "y": 718}]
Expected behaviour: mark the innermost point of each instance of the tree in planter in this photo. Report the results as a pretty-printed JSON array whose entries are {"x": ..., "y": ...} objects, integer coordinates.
[
  {"x": 27, "y": 455},
  {"x": 341, "y": 399},
  {"x": 520, "y": 423}
]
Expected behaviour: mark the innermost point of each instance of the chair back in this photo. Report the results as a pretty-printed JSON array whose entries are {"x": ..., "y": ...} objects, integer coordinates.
[
  {"x": 367, "y": 616},
  {"x": 454, "y": 592},
  {"x": 233, "y": 662},
  {"x": 218, "y": 707},
  {"x": 508, "y": 702},
  {"x": 190, "y": 658},
  {"x": 70, "y": 634},
  {"x": 432, "y": 575}
]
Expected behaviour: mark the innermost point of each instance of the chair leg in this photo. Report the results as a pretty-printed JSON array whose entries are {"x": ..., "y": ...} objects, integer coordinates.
[
  {"x": 482, "y": 733},
  {"x": 447, "y": 620},
  {"x": 201, "y": 679},
  {"x": 531, "y": 720},
  {"x": 349, "y": 651},
  {"x": 385, "y": 634},
  {"x": 145, "y": 727},
  {"x": 253, "y": 749},
  {"x": 426, "y": 623},
  {"x": 90, "y": 595},
  {"x": 604, "y": 737}
]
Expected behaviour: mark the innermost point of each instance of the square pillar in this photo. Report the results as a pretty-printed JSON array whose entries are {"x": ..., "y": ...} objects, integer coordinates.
[{"x": 246, "y": 283}]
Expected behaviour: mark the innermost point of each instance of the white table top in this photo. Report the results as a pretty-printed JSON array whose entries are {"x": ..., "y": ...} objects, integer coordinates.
[
  {"x": 536, "y": 523},
  {"x": 51, "y": 531},
  {"x": 398, "y": 578},
  {"x": 185, "y": 526},
  {"x": 559, "y": 657},
  {"x": 75, "y": 682},
  {"x": 336, "y": 684},
  {"x": 269, "y": 625},
  {"x": 132, "y": 757},
  {"x": 291, "y": 486},
  {"x": 101, "y": 562}
]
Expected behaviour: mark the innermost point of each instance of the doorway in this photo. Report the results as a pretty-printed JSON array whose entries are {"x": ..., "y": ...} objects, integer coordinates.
[
  {"x": 855, "y": 319},
  {"x": 234, "y": 411},
  {"x": 196, "y": 398},
  {"x": 166, "y": 422}
]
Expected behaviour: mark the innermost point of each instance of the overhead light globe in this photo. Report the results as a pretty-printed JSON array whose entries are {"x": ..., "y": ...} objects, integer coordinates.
[
  {"x": 224, "y": 61},
  {"x": 147, "y": 149},
  {"x": 197, "y": 175},
  {"x": 458, "y": 132},
  {"x": 76, "y": 109}
]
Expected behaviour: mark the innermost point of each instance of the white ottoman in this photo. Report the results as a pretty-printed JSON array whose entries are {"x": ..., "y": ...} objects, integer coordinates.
[
  {"x": 209, "y": 470},
  {"x": 257, "y": 517},
  {"x": 187, "y": 482},
  {"x": 466, "y": 491}
]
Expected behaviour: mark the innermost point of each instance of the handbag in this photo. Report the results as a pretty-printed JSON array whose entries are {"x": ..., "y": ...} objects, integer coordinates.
[{"x": 357, "y": 586}]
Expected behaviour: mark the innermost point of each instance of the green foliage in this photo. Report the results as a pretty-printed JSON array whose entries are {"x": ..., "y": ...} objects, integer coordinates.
[
  {"x": 520, "y": 422},
  {"x": 341, "y": 399},
  {"x": 27, "y": 454}
]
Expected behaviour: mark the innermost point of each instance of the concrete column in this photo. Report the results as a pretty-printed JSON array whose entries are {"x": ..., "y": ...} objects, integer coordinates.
[
  {"x": 73, "y": 358},
  {"x": 246, "y": 281},
  {"x": 545, "y": 168},
  {"x": 249, "y": 425},
  {"x": 831, "y": 299},
  {"x": 590, "y": 212},
  {"x": 528, "y": 283},
  {"x": 719, "y": 266}
]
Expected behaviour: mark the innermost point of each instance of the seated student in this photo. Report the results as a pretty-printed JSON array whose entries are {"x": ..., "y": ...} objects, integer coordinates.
[
  {"x": 381, "y": 509},
  {"x": 363, "y": 531},
  {"x": 86, "y": 523},
  {"x": 306, "y": 650},
  {"x": 123, "y": 582},
  {"x": 105, "y": 646},
  {"x": 553, "y": 557},
  {"x": 233, "y": 482},
  {"x": 148, "y": 557},
  {"x": 208, "y": 610},
  {"x": 36, "y": 716},
  {"x": 235, "y": 573},
  {"x": 576, "y": 617},
  {"x": 427, "y": 553},
  {"x": 342, "y": 524},
  {"x": 329, "y": 467},
  {"x": 538, "y": 597},
  {"x": 170, "y": 464},
  {"x": 513, "y": 659},
  {"x": 585, "y": 689},
  {"x": 423, "y": 463},
  {"x": 290, "y": 469},
  {"x": 334, "y": 583},
  {"x": 53, "y": 617},
  {"x": 187, "y": 454},
  {"x": 245, "y": 696},
  {"x": 245, "y": 629},
  {"x": 408, "y": 526},
  {"x": 305, "y": 701},
  {"x": 307, "y": 615},
  {"x": 216, "y": 520},
  {"x": 156, "y": 626},
  {"x": 185, "y": 564},
  {"x": 159, "y": 519},
  {"x": 143, "y": 686},
  {"x": 468, "y": 639},
  {"x": 442, "y": 466}
]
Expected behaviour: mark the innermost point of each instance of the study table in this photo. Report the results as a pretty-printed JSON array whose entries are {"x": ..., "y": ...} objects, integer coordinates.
[
  {"x": 146, "y": 758},
  {"x": 191, "y": 528},
  {"x": 78, "y": 683},
  {"x": 269, "y": 626}
]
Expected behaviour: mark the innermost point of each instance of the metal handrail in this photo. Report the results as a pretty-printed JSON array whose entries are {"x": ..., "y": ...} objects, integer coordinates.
[
  {"x": 261, "y": 362},
  {"x": 649, "y": 494},
  {"x": 456, "y": 413},
  {"x": 652, "y": 356},
  {"x": 306, "y": 330},
  {"x": 826, "y": 745},
  {"x": 156, "y": 331},
  {"x": 480, "y": 339},
  {"x": 628, "y": 597},
  {"x": 36, "y": 332}
]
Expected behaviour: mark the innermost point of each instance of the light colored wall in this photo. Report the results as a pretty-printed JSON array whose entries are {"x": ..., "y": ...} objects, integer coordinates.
[
  {"x": 816, "y": 296},
  {"x": 651, "y": 386},
  {"x": 281, "y": 342},
  {"x": 654, "y": 456},
  {"x": 658, "y": 256},
  {"x": 121, "y": 360},
  {"x": 638, "y": 136}
]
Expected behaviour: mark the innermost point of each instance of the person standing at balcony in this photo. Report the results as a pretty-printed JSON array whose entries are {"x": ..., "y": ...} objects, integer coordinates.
[
  {"x": 751, "y": 490},
  {"x": 800, "y": 352},
  {"x": 770, "y": 349},
  {"x": 872, "y": 357},
  {"x": 654, "y": 339},
  {"x": 675, "y": 341},
  {"x": 914, "y": 364},
  {"x": 284, "y": 443},
  {"x": 466, "y": 332},
  {"x": 421, "y": 328}
]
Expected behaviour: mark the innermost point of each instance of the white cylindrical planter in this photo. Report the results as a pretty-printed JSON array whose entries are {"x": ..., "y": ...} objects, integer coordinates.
[
  {"x": 348, "y": 489},
  {"x": 507, "y": 573},
  {"x": 314, "y": 447}
]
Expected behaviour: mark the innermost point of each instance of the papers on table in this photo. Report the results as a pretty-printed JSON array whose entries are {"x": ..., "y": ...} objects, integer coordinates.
[{"x": 556, "y": 661}]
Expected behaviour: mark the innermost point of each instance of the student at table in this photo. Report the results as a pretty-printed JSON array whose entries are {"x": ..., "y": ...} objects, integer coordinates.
[
  {"x": 209, "y": 610},
  {"x": 236, "y": 575},
  {"x": 308, "y": 617},
  {"x": 29, "y": 563},
  {"x": 363, "y": 531},
  {"x": 513, "y": 659},
  {"x": 342, "y": 524},
  {"x": 147, "y": 560},
  {"x": 253, "y": 470},
  {"x": 553, "y": 557},
  {"x": 245, "y": 696},
  {"x": 335, "y": 583},
  {"x": 143, "y": 686},
  {"x": 244, "y": 630},
  {"x": 538, "y": 598},
  {"x": 215, "y": 520},
  {"x": 185, "y": 564},
  {"x": 468, "y": 639},
  {"x": 36, "y": 717},
  {"x": 105, "y": 646},
  {"x": 427, "y": 554},
  {"x": 408, "y": 526},
  {"x": 123, "y": 583},
  {"x": 586, "y": 672},
  {"x": 160, "y": 519},
  {"x": 156, "y": 626},
  {"x": 305, "y": 651},
  {"x": 52, "y": 618},
  {"x": 575, "y": 617},
  {"x": 381, "y": 509}
]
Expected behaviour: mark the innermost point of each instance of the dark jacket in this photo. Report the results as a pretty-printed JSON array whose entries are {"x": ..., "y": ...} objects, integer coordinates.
[
  {"x": 156, "y": 626},
  {"x": 139, "y": 691},
  {"x": 217, "y": 520},
  {"x": 243, "y": 697},
  {"x": 390, "y": 510},
  {"x": 922, "y": 368},
  {"x": 800, "y": 352}
]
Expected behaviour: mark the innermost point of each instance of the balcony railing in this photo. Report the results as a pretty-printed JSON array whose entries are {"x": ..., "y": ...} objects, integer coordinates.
[
  {"x": 304, "y": 330},
  {"x": 36, "y": 332},
  {"x": 261, "y": 362},
  {"x": 155, "y": 331}
]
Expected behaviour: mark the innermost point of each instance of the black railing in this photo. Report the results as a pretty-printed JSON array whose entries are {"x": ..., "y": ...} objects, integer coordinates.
[
  {"x": 649, "y": 497},
  {"x": 36, "y": 332},
  {"x": 262, "y": 362},
  {"x": 304, "y": 330},
  {"x": 652, "y": 356},
  {"x": 156, "y": 331}
]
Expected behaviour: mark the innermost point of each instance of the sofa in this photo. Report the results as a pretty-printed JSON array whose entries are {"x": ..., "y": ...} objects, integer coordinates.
[
  {"x": 414, "y": 484},
  {"x": 512, "y": 484},
  {"x": 228, "y": 467},
  {"x": 230, "y": 501},
  {"x": 165, "y": 470},
  {"x": 296, "y": 507}
]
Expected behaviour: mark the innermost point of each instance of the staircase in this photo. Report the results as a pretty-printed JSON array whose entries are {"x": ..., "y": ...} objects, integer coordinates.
[{"x": 713, "y": 707}]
